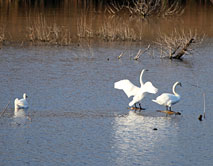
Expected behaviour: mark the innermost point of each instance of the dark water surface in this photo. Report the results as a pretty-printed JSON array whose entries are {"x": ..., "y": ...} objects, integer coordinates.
[{"x": 76, "y": 117}]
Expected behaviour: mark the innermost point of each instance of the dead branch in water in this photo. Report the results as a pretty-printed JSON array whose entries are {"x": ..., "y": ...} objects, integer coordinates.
[
  {"x": 184, "y": 50},
  {"x": 140, "y": 53},
  {"x": 178, "y": 44}
]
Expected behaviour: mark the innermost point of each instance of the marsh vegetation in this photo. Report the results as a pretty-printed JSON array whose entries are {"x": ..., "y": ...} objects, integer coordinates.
[{"x": 168, "y": 24}]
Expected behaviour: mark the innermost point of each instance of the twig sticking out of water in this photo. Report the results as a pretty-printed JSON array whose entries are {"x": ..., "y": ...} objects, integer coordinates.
[
  {"x": 200, "y": 118},
  {"x": 4, "y": 109},
  {"x": 140, "y": 53},
  {"x": 119, "y": 57},
  {"x": 204, "y": 105}
]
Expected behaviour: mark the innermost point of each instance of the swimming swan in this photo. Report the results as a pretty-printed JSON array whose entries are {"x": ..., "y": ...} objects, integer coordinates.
[
  {"x": 132, "y": 90},
  {"x": 168, "y": 99},
  {"x": 21, "y": 103}
]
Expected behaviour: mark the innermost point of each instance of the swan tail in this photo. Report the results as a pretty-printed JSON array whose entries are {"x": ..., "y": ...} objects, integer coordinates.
[
  {"x": 131, "y": 103},
  {"x": 155, "y": 101},
  {"x": 16, "y": 103}
]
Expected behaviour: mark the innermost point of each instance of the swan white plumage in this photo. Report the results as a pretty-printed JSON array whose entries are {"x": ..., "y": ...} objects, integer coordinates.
[
  {"x": 21, "y": 103},
  {"x": 138, "y": 92},
  {"x": 168, "y": 99}
]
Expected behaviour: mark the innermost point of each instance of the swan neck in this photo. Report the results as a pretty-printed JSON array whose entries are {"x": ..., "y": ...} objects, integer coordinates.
[
  {"x": 141, "y": 78},
  {"x": 174, "y": 89}
]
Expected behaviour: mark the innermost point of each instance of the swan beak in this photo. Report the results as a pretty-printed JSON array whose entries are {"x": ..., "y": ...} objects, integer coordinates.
[
  {"x": 146, "y": 70},
  {"x": 180, "y": 84}
]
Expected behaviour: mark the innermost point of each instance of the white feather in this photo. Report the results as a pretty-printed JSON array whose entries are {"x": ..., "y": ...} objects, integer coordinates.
[{"x": 21, "y": 103}]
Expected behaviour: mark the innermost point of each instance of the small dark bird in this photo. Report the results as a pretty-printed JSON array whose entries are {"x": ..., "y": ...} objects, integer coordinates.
[{"x": 200, "y": 118}]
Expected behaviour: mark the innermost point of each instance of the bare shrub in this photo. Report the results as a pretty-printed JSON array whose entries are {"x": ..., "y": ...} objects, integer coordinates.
[
  {"x": 177, "y": 44},
  {"x": 146, "y": 8}
]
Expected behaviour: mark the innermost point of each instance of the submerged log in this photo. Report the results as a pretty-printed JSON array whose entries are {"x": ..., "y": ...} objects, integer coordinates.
[
  {"x": 167, "y": 112},
  {"x": 136, "y": 108}
]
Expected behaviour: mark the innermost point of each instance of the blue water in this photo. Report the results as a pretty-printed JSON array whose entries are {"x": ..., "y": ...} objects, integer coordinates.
[{"x": 76, "y": 117}]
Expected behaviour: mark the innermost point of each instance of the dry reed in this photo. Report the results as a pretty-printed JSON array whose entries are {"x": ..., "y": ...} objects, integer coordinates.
[
  {"x": 2, "y": 35},
  {"x": 111, "y": 29},
  {"x": 41, "y": 31}
]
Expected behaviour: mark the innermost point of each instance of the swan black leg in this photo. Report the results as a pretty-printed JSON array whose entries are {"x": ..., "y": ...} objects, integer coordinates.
[
  {"x": 167, "y": 108},
  {"x": 170, "y": 109},
  {"x": 140, "y": 106},
  {"x": 135, "y": 107}
]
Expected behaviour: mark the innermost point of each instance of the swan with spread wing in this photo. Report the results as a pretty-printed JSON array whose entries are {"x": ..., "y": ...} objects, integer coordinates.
[{"x": 138, "y": 93}]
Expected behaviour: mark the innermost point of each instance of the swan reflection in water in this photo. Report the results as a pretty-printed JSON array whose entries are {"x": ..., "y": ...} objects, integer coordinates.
[
  {"x": 20, "y": 117},
  {"x": 135, "y": 137}
]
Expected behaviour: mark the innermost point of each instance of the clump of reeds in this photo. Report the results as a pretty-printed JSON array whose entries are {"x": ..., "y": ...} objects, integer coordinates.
[
  {"x": 2, "y": 35},
  {"x": 84, "y": 27},
  {"x": 111, "y": 29},
  {"x": 146, "y": 8},
  {"x": 177, "y": 44},
  {"x": 40, "y": 31}
]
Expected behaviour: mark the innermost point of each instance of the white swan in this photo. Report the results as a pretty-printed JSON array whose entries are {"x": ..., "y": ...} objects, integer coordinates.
[
  {"x": 21, "y": 103},
  {"x": 132, "y": 90},
  {"x": 168, "y": 99}
]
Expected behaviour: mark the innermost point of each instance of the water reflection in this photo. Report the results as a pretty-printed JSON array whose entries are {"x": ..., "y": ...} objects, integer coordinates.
[
  {"x": 136, "y": 140},
  {"x": 20, "y": 117}
]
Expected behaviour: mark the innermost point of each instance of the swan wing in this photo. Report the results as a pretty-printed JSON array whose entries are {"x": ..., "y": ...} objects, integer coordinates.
[
  {"x": 148, "y": 87},
  {"x": 129, "y": 88},
  {"x": 163, "y": 99}
]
